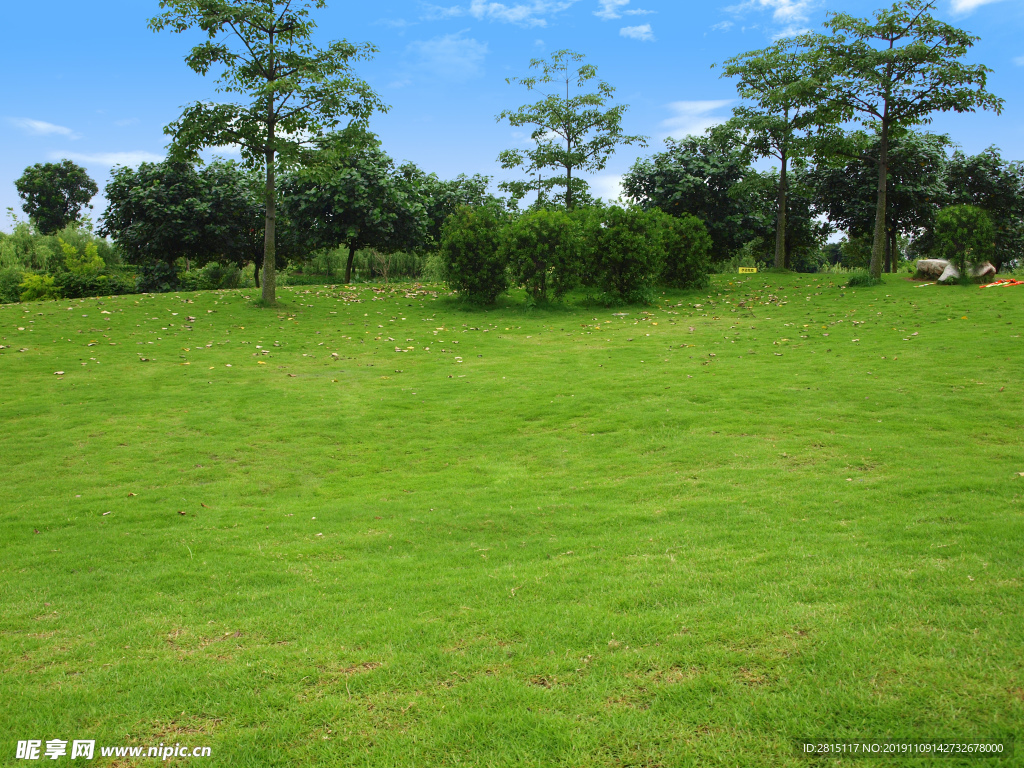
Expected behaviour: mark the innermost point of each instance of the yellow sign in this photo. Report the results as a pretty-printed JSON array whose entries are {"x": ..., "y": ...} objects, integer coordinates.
[{"x": 747, "y": 270}]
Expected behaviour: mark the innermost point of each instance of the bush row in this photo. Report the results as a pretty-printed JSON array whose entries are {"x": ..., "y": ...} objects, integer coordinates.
[{"x": 622, "y": 253}]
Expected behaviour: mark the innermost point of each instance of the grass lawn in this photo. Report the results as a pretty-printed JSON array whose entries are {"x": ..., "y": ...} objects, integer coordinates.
[{"x": 687, "y": 534}]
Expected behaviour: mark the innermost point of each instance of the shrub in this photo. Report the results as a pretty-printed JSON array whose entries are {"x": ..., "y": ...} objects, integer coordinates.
[
  {"x": 543, "y": 249},
  {"x": 74, "y": 285},
  {"x": 10, "y": 285},
  {"x": 212, "y": 277},
  {"x": 474, "y": 264},
  {"x": 622, "y": 247},
  {"x": 686, "y": 250},
  {"x": 157, "y": 277},
  {"x": 38, "y": 287},
  {"x": 861, "y": 278},
  {"x": 964, "y": 235}
]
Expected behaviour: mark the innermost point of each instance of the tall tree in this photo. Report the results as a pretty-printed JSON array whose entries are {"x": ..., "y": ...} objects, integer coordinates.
[
  {"x": 573, "y": 132},
  {"x": 293, "y": 91},
  {"x": 896, "y": 71},
  {"x": 781, "y": 85},
  {"x": 703, "y": 176},
  {"x": 54, "y": 194}
]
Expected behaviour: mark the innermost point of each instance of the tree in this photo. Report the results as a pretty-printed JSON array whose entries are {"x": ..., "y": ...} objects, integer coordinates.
[
  {"x": 964, "y": 235},
  {"x": 294, "y": 91},
  {"x": 353, "y": 195},
  {"x": 782, "y": 84},
  {"x": 700, "y": 175},
  {"x": 571, "y": 132},
  {"x": 894, "y": 72},
  {"x": 846, "y": 192},
  {"x": 54, "y": 194},
  {"x": 997, "y": 187},
  {"x": 162, "y": 212}
]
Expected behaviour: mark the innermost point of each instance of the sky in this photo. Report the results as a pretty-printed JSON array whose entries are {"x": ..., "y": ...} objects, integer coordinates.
[{"x": 93, "y": 84}]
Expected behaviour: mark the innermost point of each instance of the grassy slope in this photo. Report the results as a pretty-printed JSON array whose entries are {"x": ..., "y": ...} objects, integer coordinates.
[{"x": 682, "y": 536}]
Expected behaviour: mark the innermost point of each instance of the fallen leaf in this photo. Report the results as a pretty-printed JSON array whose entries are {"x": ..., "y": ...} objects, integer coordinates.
[
  {"x": 58, "y": 373},
  {"x": 180, "y": 512},
  {"x": 105, "y": 514}
]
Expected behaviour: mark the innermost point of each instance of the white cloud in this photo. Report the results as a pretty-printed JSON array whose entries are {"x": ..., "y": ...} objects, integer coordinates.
[
  {"x": 722, "y": 26},
  {"x": 1019, "y": 61},
  {"x": 791, "y": 31},
  {"x": 693, "y": 117},
  {"x": 642, "y": 32},
  {"x": 615, "y": 9},
  {"x": 966, "y": 6},
  {"x": 111, "y": 158},
  {"x": 452, "y": 57},
  {"x": 607, "y": 187},
  {"x": 524, "y": 14},
  {"x": 40, "y": 128},
  {"x": 793, "y": 15}
]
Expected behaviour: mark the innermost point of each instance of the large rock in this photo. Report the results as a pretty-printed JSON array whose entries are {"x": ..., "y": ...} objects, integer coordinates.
[
  {"x": 942, "y": 270},
  {"x": 931, "y": 268}
]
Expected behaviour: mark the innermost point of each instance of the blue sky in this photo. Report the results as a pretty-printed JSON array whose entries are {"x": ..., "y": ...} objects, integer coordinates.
[{"x": 91, "y": 82}]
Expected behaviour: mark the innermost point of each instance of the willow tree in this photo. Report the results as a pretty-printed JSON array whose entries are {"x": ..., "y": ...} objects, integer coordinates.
[
  {"x": 291, "y": 91},
  {"x": 572, "y": 131},
  {"x": 781, "y": 87},
  {"x": 896, "y": 71}
]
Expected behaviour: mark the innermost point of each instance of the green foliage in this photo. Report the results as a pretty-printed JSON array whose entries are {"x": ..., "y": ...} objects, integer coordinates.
[
  {"x": 26, "y": 249},
  {"x": 804, "y": 232},
  {"x": 862, "y": 278},
  {"x": 623, "y": 252},
  {"x": 997, "y": 187},
  {"x": 571, "y": 132},
  {"x": 964, "y": 235},
  {"x": 291, "y": 91},
  {"x": 172, "y": 210},
  {"x": 891, "y": 73},
  {"x": 10, "y": 285},
  {"x": 475, "y": 265},
  {"x": 55, "y": 193},
  {"x": 84, "y": 263},
  {"x": 441, "y": 198},
  {"x": 78, "y": 285},
  {"x": 212, "y": 277},
  {"x": 544, "y": 249},
  {"x": 686, "y": 250},
  {"x": 846, "y": 190},
  {"x": 352, "y": 195},
  {"x": 157, "y": 277},
  {"x": 782, "y": 88},
  {"x": 702, "y": 176},
  {"x": 38, "y": 287}
]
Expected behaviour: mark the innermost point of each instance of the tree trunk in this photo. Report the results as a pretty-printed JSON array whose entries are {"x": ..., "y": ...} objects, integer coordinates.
[
  {"x": 881, "y": 235},
  {"x": 257, "y": 267},
  {"x": 568, "y": 188},
  {"x": 888, "y": 252},
  {"x": 780, "y": 219},
  {"x": 269, "y": 249},
  {"x": 348, "y": 266}
]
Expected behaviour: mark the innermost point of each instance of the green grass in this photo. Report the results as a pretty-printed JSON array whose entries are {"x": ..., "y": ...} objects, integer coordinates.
[{"x": 684, "y": 535}]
